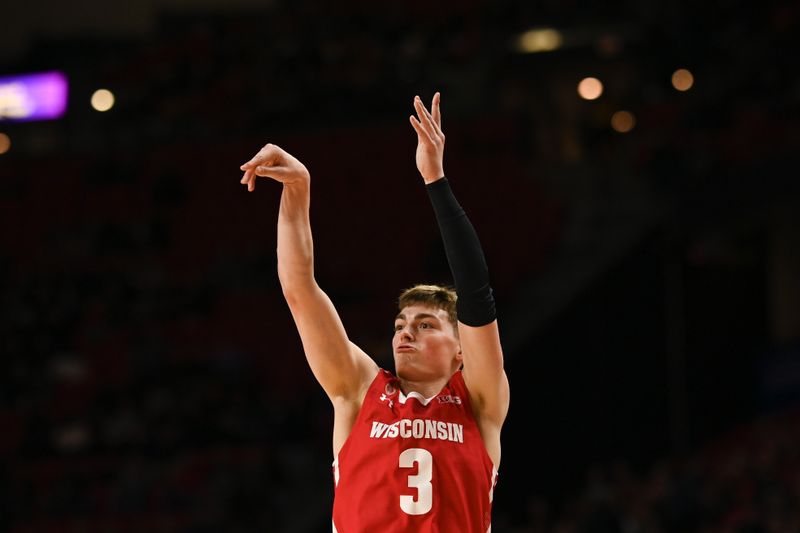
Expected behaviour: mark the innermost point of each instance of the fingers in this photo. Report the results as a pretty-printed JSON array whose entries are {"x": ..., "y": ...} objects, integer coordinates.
[
  {"x": 435, "y": 111},
  {"x": 426, "y": 119},
  {"x": 277, "y": 173},
  {"x": 422, "y": 112},
  {"x": 246, "y": 178},
  {"x": 274, "y": 163},
  {"x": 250, "y": 175},
  {"x": 426, "y": 126},
  {"x": 249, "y": 179},
  {"x": 270, "y": 153},
  {"x": 421, "y": 133},
  {"x": 266, "y": 171}
]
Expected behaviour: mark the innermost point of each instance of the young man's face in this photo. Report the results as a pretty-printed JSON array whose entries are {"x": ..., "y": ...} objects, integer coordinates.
[{"x": 425, "y": 345}]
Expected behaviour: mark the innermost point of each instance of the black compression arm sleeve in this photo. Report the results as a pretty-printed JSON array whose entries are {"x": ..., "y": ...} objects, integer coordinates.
[{"x": 475, "y": 304}]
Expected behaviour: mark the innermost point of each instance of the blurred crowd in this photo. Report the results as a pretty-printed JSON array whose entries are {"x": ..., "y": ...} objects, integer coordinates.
[
  {"x": 747, "y": 481},
  {"x": 151, "y": 378}
]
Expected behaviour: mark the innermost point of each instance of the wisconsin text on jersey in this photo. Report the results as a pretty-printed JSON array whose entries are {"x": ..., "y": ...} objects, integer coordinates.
[{"x": 418, "y": 428}]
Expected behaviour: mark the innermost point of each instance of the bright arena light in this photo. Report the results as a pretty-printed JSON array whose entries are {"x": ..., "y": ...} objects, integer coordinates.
[
  {"x": 590, "y": 88},
  {"x": 682, "y": 79},
  {"x": 623, "y": 121},
  {"x": 102, "y": 100},
  {"x": 5, "y": 143},
  {"x": 540, "y": 40},
  {"x": 33, "y": 96}
]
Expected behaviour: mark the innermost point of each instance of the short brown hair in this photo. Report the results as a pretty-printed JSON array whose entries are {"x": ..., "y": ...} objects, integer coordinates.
[{"x": 436, "y": 296}]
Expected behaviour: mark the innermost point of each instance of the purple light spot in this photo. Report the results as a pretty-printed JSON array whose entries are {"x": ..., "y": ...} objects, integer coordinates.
[{"x": 41, "y": 96}]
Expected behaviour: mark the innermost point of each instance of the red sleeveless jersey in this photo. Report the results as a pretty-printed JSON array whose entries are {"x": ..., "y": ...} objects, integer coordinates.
[{"x": 413, "y": 465}]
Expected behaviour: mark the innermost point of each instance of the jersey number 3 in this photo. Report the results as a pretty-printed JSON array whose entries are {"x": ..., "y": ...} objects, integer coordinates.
[{"x": 421, "y": 481}]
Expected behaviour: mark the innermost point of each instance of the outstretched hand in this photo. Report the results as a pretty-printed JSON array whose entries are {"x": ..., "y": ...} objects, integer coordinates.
[
  {"x": 430, "y": 139},
  {"x": 274, "y": 162}
]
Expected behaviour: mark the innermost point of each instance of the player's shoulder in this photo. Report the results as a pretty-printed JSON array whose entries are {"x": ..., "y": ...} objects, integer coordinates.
[
  {"x": 385, "y": 379},
  {"x": 384, "y": 385},
  {"x": 457, "y": 380},
  {"x": 458, "y": 388}
]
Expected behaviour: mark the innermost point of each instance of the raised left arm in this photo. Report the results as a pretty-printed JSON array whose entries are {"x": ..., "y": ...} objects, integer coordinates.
[{"x": 482, "y": 353}]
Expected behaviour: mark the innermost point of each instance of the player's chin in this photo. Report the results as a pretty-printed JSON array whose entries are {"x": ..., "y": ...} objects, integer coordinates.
[
  {"x": 409, "y": 369},
  {"x": 404, "y": 364},
  {"x": 402, "y": 360}
]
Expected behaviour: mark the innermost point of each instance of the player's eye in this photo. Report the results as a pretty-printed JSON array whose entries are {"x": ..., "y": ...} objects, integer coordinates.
[
  {"x": 424, "y": 325},
  {"x": 398, "y": 327}
]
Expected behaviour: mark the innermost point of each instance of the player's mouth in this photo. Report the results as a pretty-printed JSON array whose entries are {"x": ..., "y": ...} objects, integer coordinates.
[{"x": 405, "y": 348}]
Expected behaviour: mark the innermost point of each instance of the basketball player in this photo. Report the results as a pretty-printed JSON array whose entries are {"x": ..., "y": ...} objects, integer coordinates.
[{"x": 417, "y": 451}]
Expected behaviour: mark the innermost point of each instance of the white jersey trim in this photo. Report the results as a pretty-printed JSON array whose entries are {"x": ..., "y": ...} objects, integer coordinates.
[
  {"x": 424, "y": 401},
  {"x": 491, "y": 491},
  {"x": 335, "y": 466}
]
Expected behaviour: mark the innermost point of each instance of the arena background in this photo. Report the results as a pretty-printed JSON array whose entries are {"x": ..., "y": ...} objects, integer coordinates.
[{"x": 647, "y": 279}]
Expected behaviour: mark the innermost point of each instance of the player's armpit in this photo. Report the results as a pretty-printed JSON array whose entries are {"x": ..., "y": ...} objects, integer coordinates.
[{"x": 483, "y": 371}]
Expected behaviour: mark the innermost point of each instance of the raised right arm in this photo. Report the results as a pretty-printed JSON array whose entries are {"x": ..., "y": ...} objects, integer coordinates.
[{"x": 342, "y": 369}]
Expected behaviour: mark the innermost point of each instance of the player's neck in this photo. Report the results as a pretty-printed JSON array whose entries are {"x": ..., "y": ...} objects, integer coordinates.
[{"x": 428, "y": 389}]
